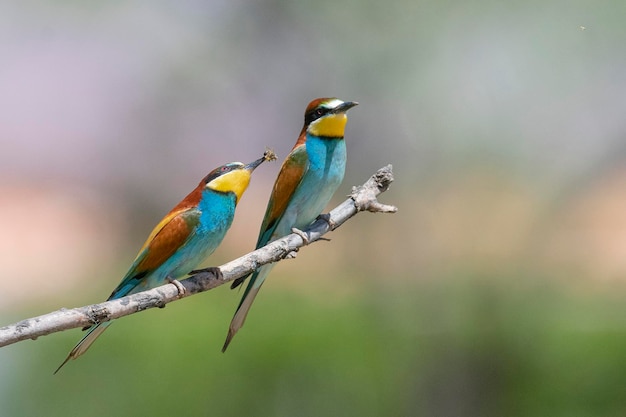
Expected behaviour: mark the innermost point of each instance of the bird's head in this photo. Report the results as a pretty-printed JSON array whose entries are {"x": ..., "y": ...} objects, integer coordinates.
[
  {"x": 233, "y": 177},
  {"x": 326, "y": 117}
]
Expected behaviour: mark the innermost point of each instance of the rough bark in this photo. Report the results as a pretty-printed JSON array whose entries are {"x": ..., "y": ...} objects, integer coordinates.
[{"x": 362, "y": 198}]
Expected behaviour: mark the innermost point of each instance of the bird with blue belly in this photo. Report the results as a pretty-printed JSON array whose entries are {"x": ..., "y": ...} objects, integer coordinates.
[
  {"x": 185, "y": 237},
  {"x": 307, "y": 180}
]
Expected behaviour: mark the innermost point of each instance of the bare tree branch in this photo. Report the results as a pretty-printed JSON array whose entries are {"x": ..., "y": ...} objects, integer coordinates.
[{"x": 362, "y": 198}]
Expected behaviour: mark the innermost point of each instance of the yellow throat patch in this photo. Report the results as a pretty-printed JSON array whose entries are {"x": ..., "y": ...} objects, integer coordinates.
[
  {"x": 332, "y": 126},
  {"x": 235, "y": 181}
]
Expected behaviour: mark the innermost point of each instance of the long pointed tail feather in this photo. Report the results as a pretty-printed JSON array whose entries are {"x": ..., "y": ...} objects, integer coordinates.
[
  {"x": 240, "y": 316},
  {"x": 254, "y": 285},
  {"x": 84, "y": 344}
]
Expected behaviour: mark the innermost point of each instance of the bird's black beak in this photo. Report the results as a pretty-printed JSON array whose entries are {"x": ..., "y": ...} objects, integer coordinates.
[
  {"x": 269, "y": 155},
  {"x": 344, "y": 107},
  {"x": 252, "y": 165}
]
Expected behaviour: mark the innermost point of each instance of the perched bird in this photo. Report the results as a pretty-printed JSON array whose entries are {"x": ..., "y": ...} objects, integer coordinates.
[
  {"x": 307, "y": 180},
  {"x": 185, "y": 237}
]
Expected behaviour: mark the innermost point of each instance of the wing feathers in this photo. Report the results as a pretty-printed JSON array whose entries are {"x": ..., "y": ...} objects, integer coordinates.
[{"x": 291, "y": 173}]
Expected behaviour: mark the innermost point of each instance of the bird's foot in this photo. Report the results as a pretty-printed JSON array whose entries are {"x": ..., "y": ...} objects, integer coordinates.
[
  {"x": 180, "y": 287},
  {"x": 97, "y": 315},
  {"x": 214, "y": 270},
  {"x": 291, "y": 255},
  {"x": 326, "y": 217},
  {"x": 300, "y": 233}
]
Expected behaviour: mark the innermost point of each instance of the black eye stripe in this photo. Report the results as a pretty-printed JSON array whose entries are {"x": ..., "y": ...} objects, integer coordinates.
[
  {"x": 315, "y": 114},
  {"x": 218, "y": 172}
]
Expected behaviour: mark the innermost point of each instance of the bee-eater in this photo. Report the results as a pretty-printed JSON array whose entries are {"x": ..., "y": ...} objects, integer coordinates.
[
  {"x": 307, "y": 180},
  {"x": 186, "y": 236}
]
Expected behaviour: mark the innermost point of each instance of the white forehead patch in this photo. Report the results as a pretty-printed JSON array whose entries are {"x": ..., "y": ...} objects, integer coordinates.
[{"x": 333, "y": 103}]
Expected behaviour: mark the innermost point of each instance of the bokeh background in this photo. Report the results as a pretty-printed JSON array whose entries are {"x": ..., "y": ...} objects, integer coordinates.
[{"x": 497, "y": 289}]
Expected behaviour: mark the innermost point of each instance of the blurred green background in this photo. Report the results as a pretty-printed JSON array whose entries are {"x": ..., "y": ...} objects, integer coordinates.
[{"x": 497, "y": 289}]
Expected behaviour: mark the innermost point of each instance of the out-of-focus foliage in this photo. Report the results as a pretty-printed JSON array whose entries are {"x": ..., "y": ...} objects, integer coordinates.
[
  {"x": 472, "y": 346},
  {"x": 497, "y": 289}
]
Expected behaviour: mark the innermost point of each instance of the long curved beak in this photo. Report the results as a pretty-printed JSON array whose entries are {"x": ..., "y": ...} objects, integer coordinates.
[{"x": 345, "y": 106}]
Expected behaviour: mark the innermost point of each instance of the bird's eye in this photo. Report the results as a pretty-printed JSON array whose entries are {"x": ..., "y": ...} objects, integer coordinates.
[
  {"x": 225, "y": 168},
  {"x": 319, "y": 112}
]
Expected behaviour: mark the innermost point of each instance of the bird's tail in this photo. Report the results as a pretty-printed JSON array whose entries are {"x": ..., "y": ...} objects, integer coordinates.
[
  {"x": 254, "y": 285},
  {"x": 84, "y": 344}
]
